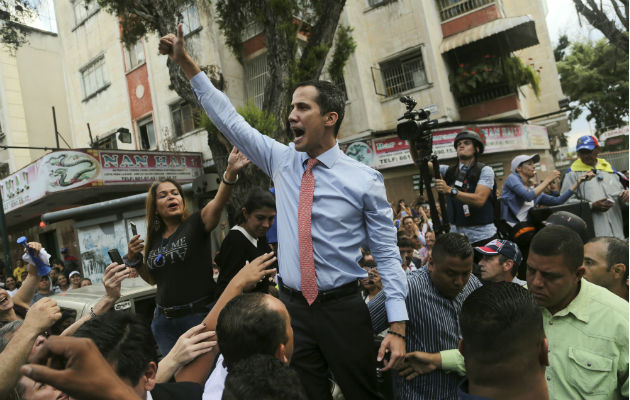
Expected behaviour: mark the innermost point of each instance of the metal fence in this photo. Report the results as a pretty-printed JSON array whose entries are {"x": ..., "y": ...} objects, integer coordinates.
[
  {"x": 452, "y": 8},
  {"x": 618, "y": 159}
]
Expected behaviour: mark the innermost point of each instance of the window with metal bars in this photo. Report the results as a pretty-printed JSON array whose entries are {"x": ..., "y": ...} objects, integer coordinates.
[
  {"x": 403, "y": 73},
  {"x": 256, "y": 76}
]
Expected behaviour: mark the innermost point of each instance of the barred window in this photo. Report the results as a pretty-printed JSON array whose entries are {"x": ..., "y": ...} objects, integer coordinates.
[
  {"x": 256, "y": 76},
  {"x": 93, "y": 76},
  {"x": 403, "y": 73}
]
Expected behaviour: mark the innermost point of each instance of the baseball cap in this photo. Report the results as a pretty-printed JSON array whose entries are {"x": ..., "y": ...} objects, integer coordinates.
[
  {"x": 518, "y": 160},
  {"x": 587, "y": 142},
  {"x": 73, "y": 273},
  {"x": 571, "y": 221},
  {"x": 503, "y": 247}
]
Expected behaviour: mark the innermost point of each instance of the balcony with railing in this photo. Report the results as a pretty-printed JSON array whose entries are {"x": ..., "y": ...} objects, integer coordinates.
[
  {"x": 459, "y": 16},
  {"x": 489, "y": 86},
  {"x": 451, "y": 9}
]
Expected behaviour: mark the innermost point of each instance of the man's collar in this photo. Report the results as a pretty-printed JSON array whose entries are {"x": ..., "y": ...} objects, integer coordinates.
[
  {"x": 327, "y": 158},
  {"x": 580, "y": 304}
]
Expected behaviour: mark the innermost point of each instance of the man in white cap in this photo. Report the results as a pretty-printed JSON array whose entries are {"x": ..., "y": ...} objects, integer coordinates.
[{"x": 606, "y": 194}]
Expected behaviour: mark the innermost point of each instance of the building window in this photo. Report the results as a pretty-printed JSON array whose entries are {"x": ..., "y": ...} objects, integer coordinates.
[
  {"x": 190, "y": 21},
  {"x": 93, "y": 77},
  {"x": 256, "y": 76},
  {"x": 108, "y": 142},
  {"x": 377, "y": 3},
  {"x": 83, "y": 11},
  {"x": 403, "y": 73},
  {"x": 453, "y": 8},
  {"x": 134, "y": 55},
  {"x": 185, "y": 118},
  {"x": 147, "y": 134}
]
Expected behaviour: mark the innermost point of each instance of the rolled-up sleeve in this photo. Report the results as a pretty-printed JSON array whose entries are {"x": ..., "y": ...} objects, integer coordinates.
[{"x": 381, "y": 236}]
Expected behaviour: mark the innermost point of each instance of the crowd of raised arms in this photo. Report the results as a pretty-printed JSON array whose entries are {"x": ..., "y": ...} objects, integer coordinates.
[{"x": 326, "y": 290}]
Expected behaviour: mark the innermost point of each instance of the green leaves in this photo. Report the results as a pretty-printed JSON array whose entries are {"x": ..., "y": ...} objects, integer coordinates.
[
  {"x": 264, "y": 122},
  {"x": 595, "y": 75}
]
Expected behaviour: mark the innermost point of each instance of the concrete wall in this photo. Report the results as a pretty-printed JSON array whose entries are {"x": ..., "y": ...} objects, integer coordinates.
[
  {"x": 31, "y": 83},
  {"x": 109, "y": 109}
]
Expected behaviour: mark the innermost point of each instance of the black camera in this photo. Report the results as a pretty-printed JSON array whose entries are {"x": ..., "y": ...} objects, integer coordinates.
[{"x": 417, "y": 127}]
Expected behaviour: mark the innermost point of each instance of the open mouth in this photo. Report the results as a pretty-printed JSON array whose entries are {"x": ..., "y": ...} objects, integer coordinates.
[
  {"x": 4, "y": 299},
  {"x": 173, "y": 206},
  {"x": 298, "y": 132}
]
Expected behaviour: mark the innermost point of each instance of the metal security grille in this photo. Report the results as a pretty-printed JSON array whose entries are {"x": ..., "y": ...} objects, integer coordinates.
[
  {"x": 403, "y": 74},
  {"x": 452, "y": 8},
  {"x": 256, "y": 74}
]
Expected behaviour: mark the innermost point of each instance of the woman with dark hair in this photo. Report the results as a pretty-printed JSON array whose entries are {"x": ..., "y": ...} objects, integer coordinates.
[
  {"x": 177, "y": 256},
  {"x": 246, "y": 240},
  {"x": 63, "y": 283}
]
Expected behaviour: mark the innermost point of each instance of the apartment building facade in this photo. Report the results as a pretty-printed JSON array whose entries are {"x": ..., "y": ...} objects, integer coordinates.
[{"x": 404, "y": 47}]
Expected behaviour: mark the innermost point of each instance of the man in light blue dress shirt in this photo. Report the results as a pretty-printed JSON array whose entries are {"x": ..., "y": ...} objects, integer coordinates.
[{"x": 349, "y": 211}]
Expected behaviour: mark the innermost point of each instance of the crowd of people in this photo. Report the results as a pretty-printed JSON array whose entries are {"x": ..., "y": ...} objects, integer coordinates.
[{"x": 362, "y": 300}]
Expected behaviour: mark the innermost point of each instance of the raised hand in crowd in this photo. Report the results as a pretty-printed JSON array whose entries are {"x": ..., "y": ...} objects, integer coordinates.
[
  {"x": 41, "y": 316},
  {"x": 189, "y": 346},
  {"x": 173, "y": 46},
  {"x": 252, "y": 273},
  {"x": 112, "y": 280},
  {"x": 79, "y": 370},
  {"x": 135, "y": 247}
]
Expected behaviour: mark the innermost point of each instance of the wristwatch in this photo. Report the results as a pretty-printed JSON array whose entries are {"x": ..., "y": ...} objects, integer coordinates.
[{"x": 454, "y": 192}]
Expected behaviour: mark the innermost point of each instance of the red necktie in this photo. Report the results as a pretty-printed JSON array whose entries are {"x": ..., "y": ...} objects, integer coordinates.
[{"x": 305, "y": 240}]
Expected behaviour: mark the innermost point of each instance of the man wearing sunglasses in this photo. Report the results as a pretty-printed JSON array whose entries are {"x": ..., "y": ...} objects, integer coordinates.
[{"x": 607, "y": 192}]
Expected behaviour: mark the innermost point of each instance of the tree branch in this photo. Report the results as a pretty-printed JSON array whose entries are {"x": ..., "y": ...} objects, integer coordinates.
[{"x": 598, "y": 19}]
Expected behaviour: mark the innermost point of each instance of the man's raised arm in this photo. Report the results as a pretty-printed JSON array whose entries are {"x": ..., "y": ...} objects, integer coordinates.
[{"x": 260, "y": 149}]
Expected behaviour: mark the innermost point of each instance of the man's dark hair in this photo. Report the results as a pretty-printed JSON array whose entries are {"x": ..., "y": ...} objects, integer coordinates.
[
  {"x": 451, "y": 244},
  {"x": 262, "y": 377},
  {"x": 500, "y": 321},
  {"x": 555, "y": 240},
  {"x": 404, "y": 242},
  {"x": 616, "y": 253},
  {"x": 124, "y": 339},
  {"x": 503, "y": 259},
  {"x": 330, "y": 98},
  {"x": 247, "y": 326},
  {"x": 407, "y": 217}
]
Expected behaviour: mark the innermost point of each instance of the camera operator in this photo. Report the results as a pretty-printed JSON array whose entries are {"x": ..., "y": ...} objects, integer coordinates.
[{"x": 469, "y": 187}]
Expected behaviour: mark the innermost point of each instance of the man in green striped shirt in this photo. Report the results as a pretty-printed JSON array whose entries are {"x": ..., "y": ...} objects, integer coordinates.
[{"x": 586, "y": 325}]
